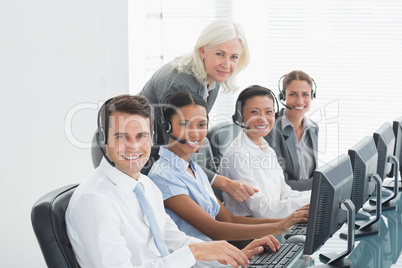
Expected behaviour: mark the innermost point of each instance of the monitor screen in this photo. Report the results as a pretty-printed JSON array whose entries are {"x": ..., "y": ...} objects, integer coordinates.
[
  {"x": 332, "y": 184},
  {"x": 384, "y": 139},
  {"x": 363, "y": 157},
  {"x": 397, "y": 126}
]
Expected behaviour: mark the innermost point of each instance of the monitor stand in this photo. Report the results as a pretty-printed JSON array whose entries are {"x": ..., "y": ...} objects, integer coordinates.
[
  {"x": 368, "y": 228},
  {"x": 340, "y": 260},
  {"x": 386, "y": 203}
]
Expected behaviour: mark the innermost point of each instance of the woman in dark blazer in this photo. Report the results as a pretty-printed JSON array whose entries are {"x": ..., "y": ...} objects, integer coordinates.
[{"x": 294, "y": 136}]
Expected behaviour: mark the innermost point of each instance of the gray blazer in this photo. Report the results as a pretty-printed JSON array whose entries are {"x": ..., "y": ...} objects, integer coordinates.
[
  {"x": 285, "y": 149},
  {"x": 166, "y": 81}
]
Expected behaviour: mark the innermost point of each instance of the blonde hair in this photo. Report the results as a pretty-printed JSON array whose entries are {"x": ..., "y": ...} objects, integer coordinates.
[{"x": 217, "y": 32}]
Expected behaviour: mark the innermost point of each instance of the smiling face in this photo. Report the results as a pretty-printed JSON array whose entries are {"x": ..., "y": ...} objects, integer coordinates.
[
  {"x": 220, "y": 61},
  {"x": 259, "y": 116},
  {"x": 298, "y": 97},
  {"x": 129, "y": 142},
  {"x": 189, "y": 123}
]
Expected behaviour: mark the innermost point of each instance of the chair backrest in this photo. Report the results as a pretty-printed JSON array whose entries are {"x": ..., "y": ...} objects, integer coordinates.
[
  {"x": 48, "y": 222},
  {"x": 96, "y": 152},
  {"x": 205, "y": 157},
  {"x": 221, "y": 136}
]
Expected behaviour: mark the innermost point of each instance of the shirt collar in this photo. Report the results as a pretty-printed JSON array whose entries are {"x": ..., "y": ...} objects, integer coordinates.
[
  {"x": 306, "y": 123},
  {"x": 211, "y": 86},
  {"x": 124, "y": 182},
  {"x": 175, "y": 161},
  {"x": 249, "y": 142},
  {"x": 207, "y": 89}
]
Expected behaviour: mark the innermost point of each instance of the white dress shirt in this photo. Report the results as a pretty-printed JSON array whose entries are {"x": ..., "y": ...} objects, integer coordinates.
[
  {"x": 245, "y": 161},
  {"x": 107, "y": 227}
]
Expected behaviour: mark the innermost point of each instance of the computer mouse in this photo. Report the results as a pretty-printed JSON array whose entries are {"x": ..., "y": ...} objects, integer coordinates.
[{"x": 296, "y": 239}]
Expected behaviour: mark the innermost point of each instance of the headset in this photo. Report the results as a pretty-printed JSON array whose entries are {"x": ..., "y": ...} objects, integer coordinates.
[
  {"x": 167, "y": 124},
  {"x": 254, "y": 90},
  {"x": 101, "y": 134},
  {"x": 102, "y": 130},
  {"x": 282, "y": 95}
]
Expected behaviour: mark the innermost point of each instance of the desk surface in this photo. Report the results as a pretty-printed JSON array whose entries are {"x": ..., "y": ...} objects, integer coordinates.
[{"x": 382, "y": 250}]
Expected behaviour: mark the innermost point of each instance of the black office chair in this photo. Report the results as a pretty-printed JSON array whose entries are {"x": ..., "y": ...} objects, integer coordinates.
[
  {"x": 220, "y": 137},
  {"x": 96, "y": 152},
  {"x": 205, "y": 157},
  {"x": 48, "y": 222}
]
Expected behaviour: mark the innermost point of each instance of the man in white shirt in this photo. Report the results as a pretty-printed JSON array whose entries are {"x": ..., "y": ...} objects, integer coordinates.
[{"x": 105, "y": 222}]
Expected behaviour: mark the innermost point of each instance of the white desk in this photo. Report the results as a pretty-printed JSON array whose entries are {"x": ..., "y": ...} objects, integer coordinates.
[{"x": 380, "y": 251}]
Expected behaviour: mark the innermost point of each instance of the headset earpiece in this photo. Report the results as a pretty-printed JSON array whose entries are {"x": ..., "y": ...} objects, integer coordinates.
[
  {"x": 237, "y": 116},
  {"x": 314, "y": 90},
  {"x": 101, "y": 134},
  {"x": 281, "y": 94},
  {"x": 168, "y": 127},
  {"x": 166, "y": 124}
]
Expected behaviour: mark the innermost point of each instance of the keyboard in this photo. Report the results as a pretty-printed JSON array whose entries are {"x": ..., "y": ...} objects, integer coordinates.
[
  {"x": 288, "y": 252},
  {"x": 297, "y": 229}
]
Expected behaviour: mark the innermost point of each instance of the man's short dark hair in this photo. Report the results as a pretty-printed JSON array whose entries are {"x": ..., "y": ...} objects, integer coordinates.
[{"x": 129, "y": 104}]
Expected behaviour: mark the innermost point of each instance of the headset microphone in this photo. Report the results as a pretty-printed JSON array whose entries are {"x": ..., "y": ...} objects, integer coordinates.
[
  {"x": 177, "y": 139},
  {"x": 288, "y": 107},
  {"x": 237, "y": 123}
]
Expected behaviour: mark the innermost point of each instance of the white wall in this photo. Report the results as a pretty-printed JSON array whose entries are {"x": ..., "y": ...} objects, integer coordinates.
[{"x": 54, "y": 55}]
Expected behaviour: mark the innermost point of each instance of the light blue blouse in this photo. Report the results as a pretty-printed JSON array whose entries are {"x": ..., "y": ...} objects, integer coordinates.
[{"x": 170, "y": 174}]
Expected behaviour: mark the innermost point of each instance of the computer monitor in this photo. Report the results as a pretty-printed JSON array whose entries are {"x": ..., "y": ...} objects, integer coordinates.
[
  {"x": 384, "y": 139},
  {"x": 397, "y": 127},
  {"x": 330, "y": 197},
  {"x": 364, "y": 158}
]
